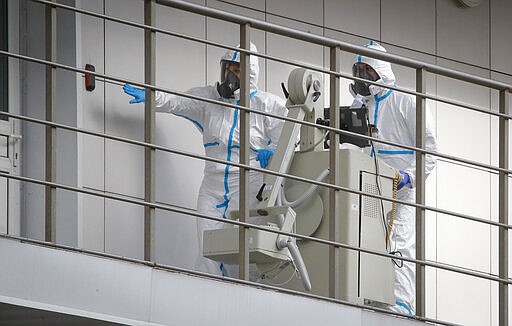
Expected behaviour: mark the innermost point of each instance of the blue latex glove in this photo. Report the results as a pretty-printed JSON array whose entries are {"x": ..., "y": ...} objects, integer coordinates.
[
  {"x": 138, "y": 94},
  {"x": 264, "y": 156},
  {"x": 405, "y": 180}
]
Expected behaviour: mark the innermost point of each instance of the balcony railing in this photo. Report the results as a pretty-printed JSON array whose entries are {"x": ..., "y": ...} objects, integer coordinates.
[{"x": 246, "y": 25}]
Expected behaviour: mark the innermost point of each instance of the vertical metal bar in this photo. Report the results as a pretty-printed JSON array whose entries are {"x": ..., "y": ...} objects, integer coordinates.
[
  {"x": 420, "y": 190},
  {"x": 503, "y": 207},
  {"x": 334, "y": 175},
  {"x": 51, "y": 132},
  {"x": 245, "y": 99},
  {"x": 4, "y": 60},
  {"x": 149, "y": 129}
]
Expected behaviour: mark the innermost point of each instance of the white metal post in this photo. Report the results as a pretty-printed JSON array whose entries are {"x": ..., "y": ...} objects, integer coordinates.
[
  {"x": 334, "y": 175},
  {"x": 149, "y": 130},
  {"x": 243, "y": 257},
  {"x": 503, "y": 206},
  {"x": 51, "y": 132},
  {"x": 420, "y": 191}
]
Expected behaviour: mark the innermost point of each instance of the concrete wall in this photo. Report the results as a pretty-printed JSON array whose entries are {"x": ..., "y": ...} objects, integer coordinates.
[{"x": 473, "y": 40}]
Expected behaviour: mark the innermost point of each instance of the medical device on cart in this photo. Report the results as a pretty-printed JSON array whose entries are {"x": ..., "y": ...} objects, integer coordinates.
[{"x": 301, "y": 208}]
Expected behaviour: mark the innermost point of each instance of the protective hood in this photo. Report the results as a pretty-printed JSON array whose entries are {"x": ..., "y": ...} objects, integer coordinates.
[
  {"x": 383, "y": 68},
  {"x": 231, "y": 55}
]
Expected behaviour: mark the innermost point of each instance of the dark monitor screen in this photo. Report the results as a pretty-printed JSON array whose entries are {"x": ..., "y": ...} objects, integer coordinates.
[{"x": 353, "y": 120}]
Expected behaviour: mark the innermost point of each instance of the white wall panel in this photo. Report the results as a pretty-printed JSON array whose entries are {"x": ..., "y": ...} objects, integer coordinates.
[
  {"x": 124, "y": 171},
  {"x": 123, "y": 119},
  {"x": 178, "y": 177},
  {"x": 132, "y": 10},
  {"x": 463, "y": 33},
  {"x": 463, "y": 190},
  {"x": 176, "y": 239},
  {"x": 302, "y": 10},
  {"x": 463, "y": 299},
  {"x": 462, "y": 139},
  {"x": 409, "y": 23},
  {"x": 90, "y": 5},
  {"x": 179, "y": 62},
  {"x": 92, "y": 162},
  {"x": 501, "y": 29},
  {"x": 461, "y": 131},
  {"x": 291, "y": 49},
  {"x": 431, "y": 291},
  {"x": 124, "y": 58},
  {"x": 361, "y": 18},
  {"x": 91, "y": 228},
  {"x": 124, "y": 229}
]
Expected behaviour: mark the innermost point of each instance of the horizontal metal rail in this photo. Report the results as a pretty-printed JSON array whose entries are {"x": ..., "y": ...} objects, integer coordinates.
[
  {"x": 288, "y": 176},
  {"x": 234, "y": 106},
  {"x": 220, "y": 278},
  {"x": 278, "y": 59},
  {"x": 487, "y": 276}
]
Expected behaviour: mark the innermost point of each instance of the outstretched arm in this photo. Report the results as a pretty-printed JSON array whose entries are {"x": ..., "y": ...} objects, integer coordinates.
[{"x": 188, "y": 108}]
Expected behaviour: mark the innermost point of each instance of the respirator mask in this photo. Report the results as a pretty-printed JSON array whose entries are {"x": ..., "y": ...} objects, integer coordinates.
[
  {"x": 361, "y": 87},
  {"x": 229, "y": 82}
]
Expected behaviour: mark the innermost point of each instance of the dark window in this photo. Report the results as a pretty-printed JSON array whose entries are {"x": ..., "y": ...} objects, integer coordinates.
[{"x": 4, "y": 90}]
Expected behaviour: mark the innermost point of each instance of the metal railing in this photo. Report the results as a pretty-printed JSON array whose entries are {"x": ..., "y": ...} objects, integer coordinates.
[{"x": 246, "y": 24}]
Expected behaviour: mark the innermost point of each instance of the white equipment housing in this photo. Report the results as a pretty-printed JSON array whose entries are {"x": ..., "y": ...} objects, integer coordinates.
[
  {"x": 365, "y": 278},
  {"x": 222, "y": 244}
]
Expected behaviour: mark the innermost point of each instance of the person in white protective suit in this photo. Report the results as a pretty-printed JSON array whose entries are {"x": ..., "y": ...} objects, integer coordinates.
[
  {"x": 392, "y": 116},
  {"x": 219, "y": 126}
]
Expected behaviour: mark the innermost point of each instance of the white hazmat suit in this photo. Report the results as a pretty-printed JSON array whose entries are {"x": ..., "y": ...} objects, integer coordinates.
[
  {"x": 219, "y": 126},
  {"x": 394, "y": 115}
]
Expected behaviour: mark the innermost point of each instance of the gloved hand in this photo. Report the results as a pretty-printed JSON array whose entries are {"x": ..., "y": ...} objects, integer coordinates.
[
  {"x": 264, "y": 156},
  {"x": 404, "y": 179},
  {"x": 138, "y": 94}
]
